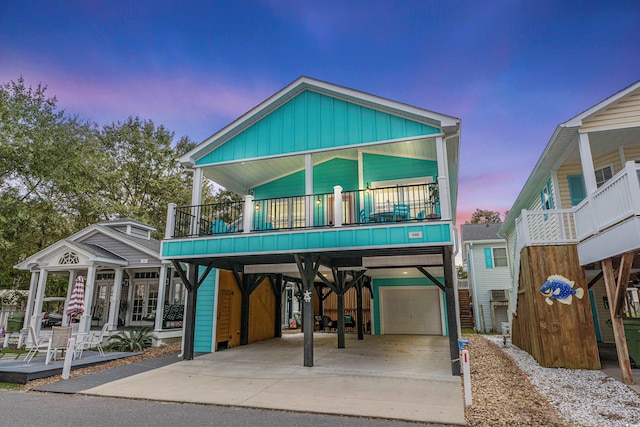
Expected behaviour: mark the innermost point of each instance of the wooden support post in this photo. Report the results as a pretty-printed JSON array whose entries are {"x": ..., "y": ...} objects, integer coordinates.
[
  {"x": 452, "y": 318},
  {"x": 190, "y": 312},
  {"x": 616, "y": 321},
  {"x": 244, "y": 309},
  {"x": 278, "y": 288},
  {"x": 359, "y": 322},
  {"x": 308, "y": 267},
  {"x": 339, "y": 282}
]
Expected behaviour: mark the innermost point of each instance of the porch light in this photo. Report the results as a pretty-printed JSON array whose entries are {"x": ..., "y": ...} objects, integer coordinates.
[
  {"x": 257, "y": 207},
  {"x": 318, "y": 202},
  {"x": 368, "y": 189}
]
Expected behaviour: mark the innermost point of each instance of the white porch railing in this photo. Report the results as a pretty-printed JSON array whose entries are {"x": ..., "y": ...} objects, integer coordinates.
[
  {"x": 545, "y": 227},
  {"x": 615, "y": 201}
]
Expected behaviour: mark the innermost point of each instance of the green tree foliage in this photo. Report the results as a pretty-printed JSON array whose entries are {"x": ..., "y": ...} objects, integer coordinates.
[
  {"x": 481, "y": 216},
  {"x": 59, "y": 174},
  {"x": 45, "y": 170}
]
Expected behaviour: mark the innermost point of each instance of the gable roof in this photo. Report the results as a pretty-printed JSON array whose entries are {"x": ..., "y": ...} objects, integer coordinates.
[
  {"x": 480, "y": 232},
  {"x": 445, "y": 123},
  {"x": 563, "y": 139}
]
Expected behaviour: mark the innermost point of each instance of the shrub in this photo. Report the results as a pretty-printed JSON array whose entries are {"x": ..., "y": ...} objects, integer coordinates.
[{"x": 134, "y": 340}]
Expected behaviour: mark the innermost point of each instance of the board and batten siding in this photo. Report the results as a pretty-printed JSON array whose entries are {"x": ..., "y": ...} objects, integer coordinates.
[
  {"x": 388, "y": 168},
  {"x": 203, "y": 339},
  {"x": 486, "y": 277},
  {"x": 134, "y": 257},
  {"x": 622, "y": 114},
  {"x": 312, "y": 121}
]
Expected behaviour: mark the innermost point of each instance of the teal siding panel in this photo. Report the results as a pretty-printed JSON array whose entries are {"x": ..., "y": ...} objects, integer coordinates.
[
  {"x": 325, "y": 176},
  {"x": 488, "y": 258},
  {"x": 311, "y": 121},
  {"x": 382, "y": 168},
  {"x": 203, "y": 340},
  {"x": 388, "y": 282},
  {"x": 577, "y": 191},
  {"x": 341, "y": 172},
  {"x": 435, "y": 234},
  {"x": 287, "y": 186}
]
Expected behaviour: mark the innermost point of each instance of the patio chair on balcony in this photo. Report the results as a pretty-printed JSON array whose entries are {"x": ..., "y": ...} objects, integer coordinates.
[
  {"x": 218, "y": 226},
  {"x": 365, "y": 216},
  {"x": 400, "y": 212},
  {"x": 420, "y": 215}
]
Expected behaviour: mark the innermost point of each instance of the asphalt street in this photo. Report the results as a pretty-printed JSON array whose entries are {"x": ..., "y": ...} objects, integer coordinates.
[{"x": 31, "y": 409}]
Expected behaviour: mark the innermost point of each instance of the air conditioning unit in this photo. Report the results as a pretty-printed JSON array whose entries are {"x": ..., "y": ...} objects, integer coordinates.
[{"x": 499, "y": 295}]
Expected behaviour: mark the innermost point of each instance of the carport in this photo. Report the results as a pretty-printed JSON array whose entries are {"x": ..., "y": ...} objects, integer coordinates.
[
  {"x": 387, "y": 376},
  {"x": 255, "y": 267}
]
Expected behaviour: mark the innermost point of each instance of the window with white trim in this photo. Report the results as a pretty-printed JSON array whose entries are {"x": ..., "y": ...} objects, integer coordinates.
[
  {"x": 603, "y": 174},
  {"x": 499, "y": 257}
]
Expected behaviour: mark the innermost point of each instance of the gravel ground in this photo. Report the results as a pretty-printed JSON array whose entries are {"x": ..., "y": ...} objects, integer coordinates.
[{"x": 510, "y": 388}]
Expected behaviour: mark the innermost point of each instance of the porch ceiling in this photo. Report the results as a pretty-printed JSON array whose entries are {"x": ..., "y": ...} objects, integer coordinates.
[
  {"x": 344, "y": 260},
  {"x": 242, "y": 175},
  {"x": 604, "y": 141}
]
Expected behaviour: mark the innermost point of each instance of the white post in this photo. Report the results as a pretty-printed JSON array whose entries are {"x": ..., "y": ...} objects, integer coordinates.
[
  {"x": 247, "y": 214},
  {"x": 196, "y": 201},
  {"x": 634, "y": 185},
  {"x": 310, "y": 203},
  {"x": 466, "y": 373},
  {"x": 65, "y": 316},
  {"x": 36, "y": 317},
  {"x": 85, "y": 319},
  {"x": 68, "y": 357},
  {"x": 162, "y": 288},
  {"x": 32, "y": 295},
  {"x": 114, "y": 302},
  {"x": 443, "y": 181},
  {"x": 337, "y": 206},
  {"x": 586, "y": 159},
  {"x": 170, "y": 228}
]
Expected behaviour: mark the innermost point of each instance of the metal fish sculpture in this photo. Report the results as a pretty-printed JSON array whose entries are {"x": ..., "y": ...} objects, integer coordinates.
[{"x": 560, "y": 288}]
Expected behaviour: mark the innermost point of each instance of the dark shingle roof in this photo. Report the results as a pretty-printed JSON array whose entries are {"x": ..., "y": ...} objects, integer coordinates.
[{"x": 474, "y": 232}]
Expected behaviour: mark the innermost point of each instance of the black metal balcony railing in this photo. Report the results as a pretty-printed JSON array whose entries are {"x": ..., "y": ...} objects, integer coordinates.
[{"x": 360, "y": 207}]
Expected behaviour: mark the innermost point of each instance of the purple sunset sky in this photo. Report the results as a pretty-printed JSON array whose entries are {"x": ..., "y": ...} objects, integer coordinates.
[{"x": 511, "y": 70}]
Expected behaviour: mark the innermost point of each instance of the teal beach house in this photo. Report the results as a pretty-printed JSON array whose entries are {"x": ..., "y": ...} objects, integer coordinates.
[{"x": 341, "y": 192}]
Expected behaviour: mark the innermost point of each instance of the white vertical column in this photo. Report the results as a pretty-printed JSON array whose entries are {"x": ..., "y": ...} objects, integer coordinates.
[
  {"x": 308, "y": 188},
  {"x": 337, "y": 206},
  {"x": 196, "y": 201},
  {"x": 114, "y": 301},
  {"x": 443, "y": 180},
  {"x": 85, "y": 319},
  {"x": 72, "y": 278},
  {"x": 170, "y": 227},
  {"x": 586, "y": 159},
  {"x": 33, "y": 287},
  {"x": 162, "y": 288},
  {"x": 36, "y": 317},
  {"x": 247, "y": 214}
]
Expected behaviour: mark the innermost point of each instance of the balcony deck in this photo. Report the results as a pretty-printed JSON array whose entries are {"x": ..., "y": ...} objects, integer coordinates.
[
  {"x": 379, "y": 221},
  {"x": 605, "y": 224}
]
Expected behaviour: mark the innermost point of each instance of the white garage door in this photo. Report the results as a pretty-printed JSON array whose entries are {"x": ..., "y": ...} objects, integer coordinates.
[{"x": 410, "y": 311}]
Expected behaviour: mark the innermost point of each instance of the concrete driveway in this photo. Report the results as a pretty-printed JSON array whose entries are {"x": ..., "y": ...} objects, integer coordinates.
[{"x": 389, "y": 376}]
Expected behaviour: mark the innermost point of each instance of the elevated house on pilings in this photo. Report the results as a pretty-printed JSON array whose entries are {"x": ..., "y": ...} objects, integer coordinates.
[
  {"x": 341, "y": 190},
  {"x": 578, "y": 216},
  {"x": 126, "y": 284}
]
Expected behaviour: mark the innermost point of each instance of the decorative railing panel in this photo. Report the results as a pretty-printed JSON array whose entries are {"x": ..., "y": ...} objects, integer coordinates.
[
  {"x": 369, "y": 206},
  {"x": 546, "y": 227}
]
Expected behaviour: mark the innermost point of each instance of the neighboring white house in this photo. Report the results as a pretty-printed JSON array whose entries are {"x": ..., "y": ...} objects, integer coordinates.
[
  {"x": 484, "y": 255},
  {"x": 126, "y": 282}
]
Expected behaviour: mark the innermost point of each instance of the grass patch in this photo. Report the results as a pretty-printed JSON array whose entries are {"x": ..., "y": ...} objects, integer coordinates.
[
  {"x": 13, "y": 350},
  {"x": 9, "y": 386},
  {"x": 468, "y": 331}
]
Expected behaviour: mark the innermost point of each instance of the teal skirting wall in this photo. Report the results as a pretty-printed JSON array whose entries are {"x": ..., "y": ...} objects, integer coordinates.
[
  {"x": 410, "y": 281},
  {"x": 205, "y": 314}
]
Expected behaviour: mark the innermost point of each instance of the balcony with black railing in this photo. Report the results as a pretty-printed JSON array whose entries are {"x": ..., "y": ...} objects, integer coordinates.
[{"x": 367, "y": 207}]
